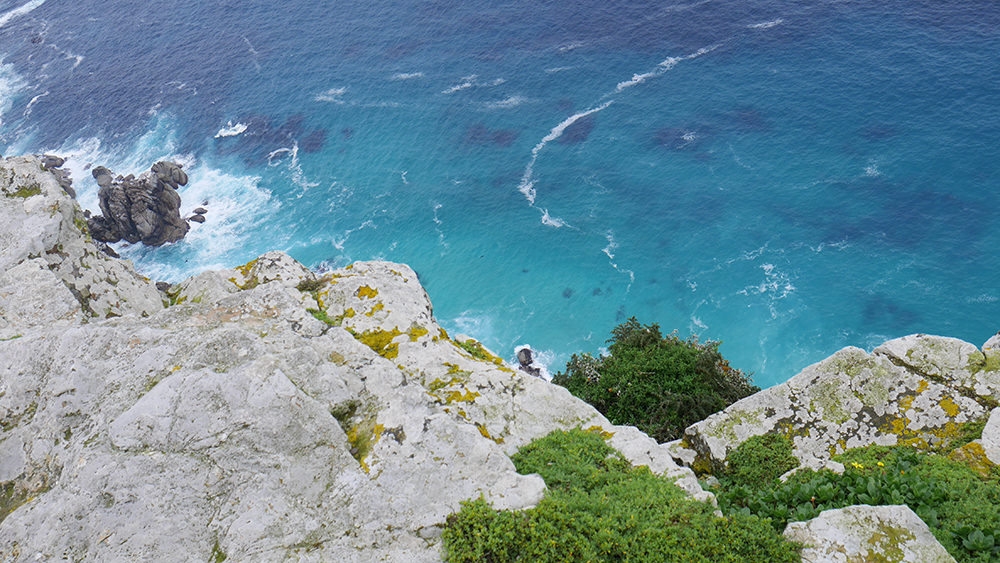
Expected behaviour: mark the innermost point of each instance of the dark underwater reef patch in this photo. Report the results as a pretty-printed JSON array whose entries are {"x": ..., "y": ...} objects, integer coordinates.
[{"x": 480, "y": 135}]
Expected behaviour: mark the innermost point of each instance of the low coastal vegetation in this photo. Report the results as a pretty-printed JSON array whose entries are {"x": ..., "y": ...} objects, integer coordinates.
[
  {"x": 659, "y": 384},
  {"x": 600, "y": 508},
  {"x": 959, "y": 504}
]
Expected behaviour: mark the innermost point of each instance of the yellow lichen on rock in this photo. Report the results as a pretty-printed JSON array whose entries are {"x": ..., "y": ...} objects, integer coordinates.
[{"x": 366, "y": 292}]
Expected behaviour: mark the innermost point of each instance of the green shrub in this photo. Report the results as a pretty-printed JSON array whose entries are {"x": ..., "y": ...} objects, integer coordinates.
[
  {"x": 759, "y": 461},
  {"x": 961, "y": 507},
  {"x": 660, "y": 384},
  {"x": 599, "y": 508}
]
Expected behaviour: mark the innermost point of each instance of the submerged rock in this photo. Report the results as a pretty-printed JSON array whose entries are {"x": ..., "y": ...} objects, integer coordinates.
[
  {"x": 144, "y": 209},
  {"x": 893, "y": 534}
]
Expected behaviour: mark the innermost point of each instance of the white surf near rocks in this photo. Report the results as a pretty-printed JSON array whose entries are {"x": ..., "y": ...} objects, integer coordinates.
[{"x": 263, "y": 413}]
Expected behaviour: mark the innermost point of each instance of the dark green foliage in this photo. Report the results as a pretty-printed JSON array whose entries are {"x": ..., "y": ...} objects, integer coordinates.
[
  {"x": 598, "y": 508},
  {"x": 758, "y": 462},
  {"x": 961, "y": 507},
  {"x": 660, "y": 384}
]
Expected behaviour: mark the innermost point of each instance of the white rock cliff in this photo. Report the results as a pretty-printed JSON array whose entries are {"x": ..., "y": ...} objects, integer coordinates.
[{"x": 263, "y": 413}]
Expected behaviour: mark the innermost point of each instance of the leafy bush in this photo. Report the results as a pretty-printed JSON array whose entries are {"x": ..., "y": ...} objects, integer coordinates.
[
  {"x": 759, "y": 461},
  {"x": 599, "y": 508},
  {"x": 660, "y": 384},
  {"x": 961, "y": 507}
]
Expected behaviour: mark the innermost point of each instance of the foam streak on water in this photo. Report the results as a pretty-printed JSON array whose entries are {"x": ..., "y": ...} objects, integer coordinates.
[{"x": 6, "y": 17}]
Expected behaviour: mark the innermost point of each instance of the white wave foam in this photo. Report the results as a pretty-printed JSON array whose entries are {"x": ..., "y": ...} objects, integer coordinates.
[
  {"x": 253, "y": 53},
  {"x": 294, "y": 167},
  {"x": 766, "y": 25},
  {"x": 19, "y": 11},
  {"x": 556, "y": 69},
  {"x": 508, "y": 102},
  {"x": 609, "y": 251},
  {"x": 776, "y": 286},
  {"x": 437, "y": 228},
  {"x": 872, "y": 170},
  {"x": 31, "y": 104},
  {"x": 471, "y": 81},
  {"x": 664, "y": 66},
  {"x": 338, "y": 243},
  {"x": 527, "y": 185},
  {"x": 231, "y": 130},
  {"x": 552, "y": 221},
  {"x": 466, "y": 82},
  {"x": 406, "y": 75},
  {"x": 332, "y": 95},
  {"x": 11, "y": 84},
  {"x": 571, "y": 46}
]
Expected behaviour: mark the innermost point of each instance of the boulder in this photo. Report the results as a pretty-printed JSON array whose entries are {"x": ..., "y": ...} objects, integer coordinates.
[
  {"x": 143, "y": 209},
  {"x": 914, "y": 390},
  {"x": 893, "y": 534}
]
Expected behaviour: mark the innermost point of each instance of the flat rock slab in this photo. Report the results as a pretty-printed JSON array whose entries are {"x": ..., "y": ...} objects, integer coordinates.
[{"x": 858, "y": 534}]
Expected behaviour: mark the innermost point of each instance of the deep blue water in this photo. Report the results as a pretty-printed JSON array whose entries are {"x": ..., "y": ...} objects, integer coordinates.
[{"x": 787, "y": 177}]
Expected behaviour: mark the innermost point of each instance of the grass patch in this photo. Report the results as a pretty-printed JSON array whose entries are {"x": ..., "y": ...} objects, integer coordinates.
[
  {"x": 599, "y": 508},
  {"x": 30, "y": 190}
]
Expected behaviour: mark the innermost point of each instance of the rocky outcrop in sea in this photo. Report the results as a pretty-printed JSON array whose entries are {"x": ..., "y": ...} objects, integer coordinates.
[
  {"x": 144, "y": 209},
  {"x": 270, "y": 413}
]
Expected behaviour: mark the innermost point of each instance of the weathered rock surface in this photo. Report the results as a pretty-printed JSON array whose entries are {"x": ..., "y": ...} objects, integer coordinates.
[
  {"x": 892, "y": 534},
  {"x": 43, "y": 235},
  {"x": 913, "y": 390},
  {"x": 144, "y": 209},
  {"x": 268, "y": 414}
]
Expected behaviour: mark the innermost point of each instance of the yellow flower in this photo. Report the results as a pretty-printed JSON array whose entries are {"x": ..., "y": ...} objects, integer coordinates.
[{"x": 880, "y": 464}]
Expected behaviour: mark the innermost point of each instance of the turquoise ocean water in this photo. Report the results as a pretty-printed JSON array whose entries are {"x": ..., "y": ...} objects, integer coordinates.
[{"x": 787, "y": 177}]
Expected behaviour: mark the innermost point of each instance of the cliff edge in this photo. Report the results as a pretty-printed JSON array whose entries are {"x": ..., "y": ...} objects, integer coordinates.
[{"x": 263, "y": 413}]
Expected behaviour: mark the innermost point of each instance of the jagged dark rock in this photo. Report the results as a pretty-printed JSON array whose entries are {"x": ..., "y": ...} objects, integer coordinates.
[
  {"x": 200, "y": 211},
  {"x": 197, "y": 218},
  {"x": 143, "y": 209},
  {"x": 526, "y": 361},
  {"x": 52, "y": 164}
]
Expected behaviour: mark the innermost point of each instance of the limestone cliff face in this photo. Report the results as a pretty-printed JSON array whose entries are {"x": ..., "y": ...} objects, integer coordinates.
[{"x": 263, "y": 413}]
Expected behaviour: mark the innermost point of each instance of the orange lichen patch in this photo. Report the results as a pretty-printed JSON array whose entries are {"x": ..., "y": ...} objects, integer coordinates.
[
  {"x": 378, "y": 307},
  {"x": 442, "y": 335},
  {"x": 245, "y": 268},
  {"x": 950, "y": 408},
  {"x": 366, "y": 292},
  {"x": 363, "y": 438},
  {"x": 416, "y": 331},
  {"x": 486, "y": 433},
  {"x": 459, "y": 397},
  {"x": 380, "y": 341}
]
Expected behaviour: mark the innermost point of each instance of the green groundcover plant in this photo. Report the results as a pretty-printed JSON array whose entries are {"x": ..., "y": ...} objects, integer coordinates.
[
  {"x": 961, "y": 506},
  {"x": 660, "y": 384},
  {"x": 598, "y": 508}
]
